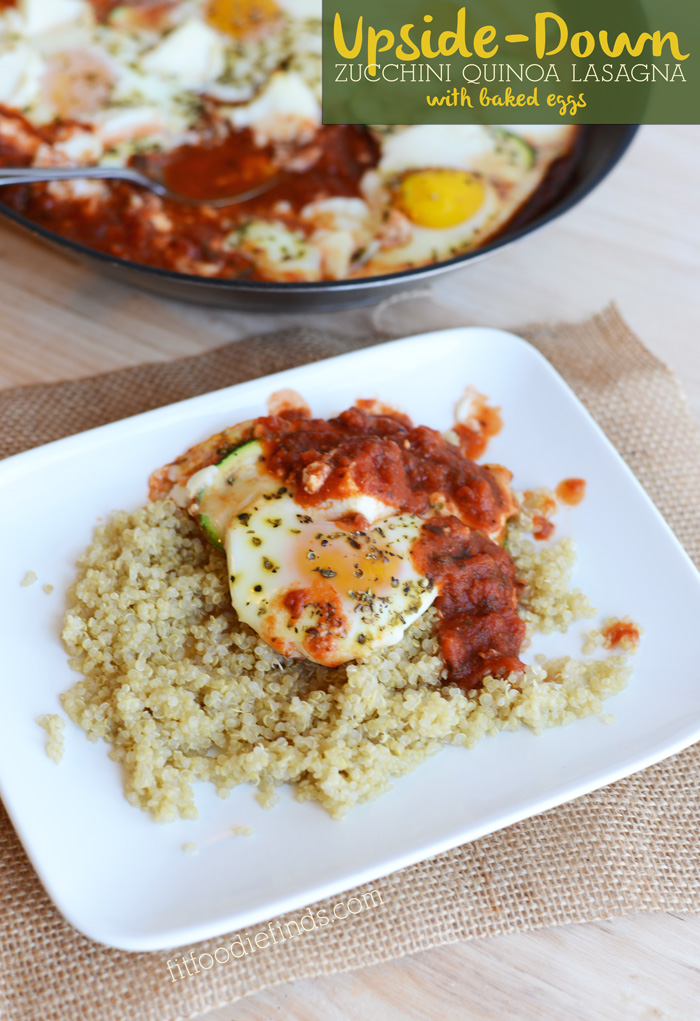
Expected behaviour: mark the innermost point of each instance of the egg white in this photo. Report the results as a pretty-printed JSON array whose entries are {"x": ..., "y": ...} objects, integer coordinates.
[
  {"x": 543, "y": 136},
  {"x": 39, "y": 17},
  {"x": 457, "y": 146},
  {"x": 302, "y": 8},
  {"x": 286, "y": 110}
]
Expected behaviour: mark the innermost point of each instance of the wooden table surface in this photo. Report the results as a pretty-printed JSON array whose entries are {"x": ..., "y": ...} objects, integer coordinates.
[{"x": 636, "y": 241}]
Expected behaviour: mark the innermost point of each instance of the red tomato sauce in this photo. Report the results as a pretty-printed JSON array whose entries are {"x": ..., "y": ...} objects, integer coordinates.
[
  {"x": 623, "y": 633},
  {"x": 474, "y": 439},
  {"x": 414, "y": 470},
  {"x": 132, "y": 223},
  {"x": 103, "y": 8},
  {"x": 542, "y": 527},
  {"x": 385, "y": 456},
  {"x": 337, "y": 158},
  {"x": 321, "y": 640},
  {"x": 571, "y": 491},
  {"x": 224, "y": 168},
  {"x": 479, "y": 629}
]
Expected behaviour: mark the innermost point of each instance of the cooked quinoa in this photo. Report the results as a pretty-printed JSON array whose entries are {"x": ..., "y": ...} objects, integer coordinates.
[
  {"x": 183, "y": 691},
  {"x": 547, "y": 603},
  {"x": 54, "y": 727}
]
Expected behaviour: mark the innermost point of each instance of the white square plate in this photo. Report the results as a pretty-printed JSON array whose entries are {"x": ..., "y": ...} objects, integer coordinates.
[{"x": 123, "y": 879}]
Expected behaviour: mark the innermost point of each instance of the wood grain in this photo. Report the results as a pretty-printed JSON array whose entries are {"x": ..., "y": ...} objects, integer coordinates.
[{"x": 634, "y": 241}]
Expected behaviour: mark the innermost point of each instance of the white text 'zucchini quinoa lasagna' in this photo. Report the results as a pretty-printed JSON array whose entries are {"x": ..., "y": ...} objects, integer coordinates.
[
  {"x": 327, "y": 603},
  {"x": 221, "y": 97}
]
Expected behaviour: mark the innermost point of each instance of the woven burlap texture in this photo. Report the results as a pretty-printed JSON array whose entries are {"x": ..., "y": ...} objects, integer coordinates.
[{"x": 634, "y": 846}]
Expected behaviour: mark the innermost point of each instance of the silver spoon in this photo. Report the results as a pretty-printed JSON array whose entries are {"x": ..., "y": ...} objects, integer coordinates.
[{"x": 27, "y": 175}]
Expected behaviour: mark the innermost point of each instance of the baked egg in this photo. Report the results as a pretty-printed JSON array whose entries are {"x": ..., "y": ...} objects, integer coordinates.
[
  {"x": 326, "y": 594},
  {"x": 309, "y": 586}
]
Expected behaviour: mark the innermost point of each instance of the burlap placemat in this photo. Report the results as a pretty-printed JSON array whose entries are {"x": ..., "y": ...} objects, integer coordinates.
[{"x": 634, "y": 846}]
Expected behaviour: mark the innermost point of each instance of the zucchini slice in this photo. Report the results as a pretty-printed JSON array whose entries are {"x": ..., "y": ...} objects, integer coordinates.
[
  {"x": 514, "y": 149},
  {"x": 225, "y": 491}
]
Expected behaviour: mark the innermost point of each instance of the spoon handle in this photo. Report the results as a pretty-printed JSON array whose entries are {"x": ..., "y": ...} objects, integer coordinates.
[{"x": 26, "y": 175}]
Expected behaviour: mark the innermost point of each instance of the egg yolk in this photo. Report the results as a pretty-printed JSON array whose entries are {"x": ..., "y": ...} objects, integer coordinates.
[
  {"x": 353, "y": 561},
  {"x": 243, "y": 19},
  {"x": 440, "y": 198}
]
